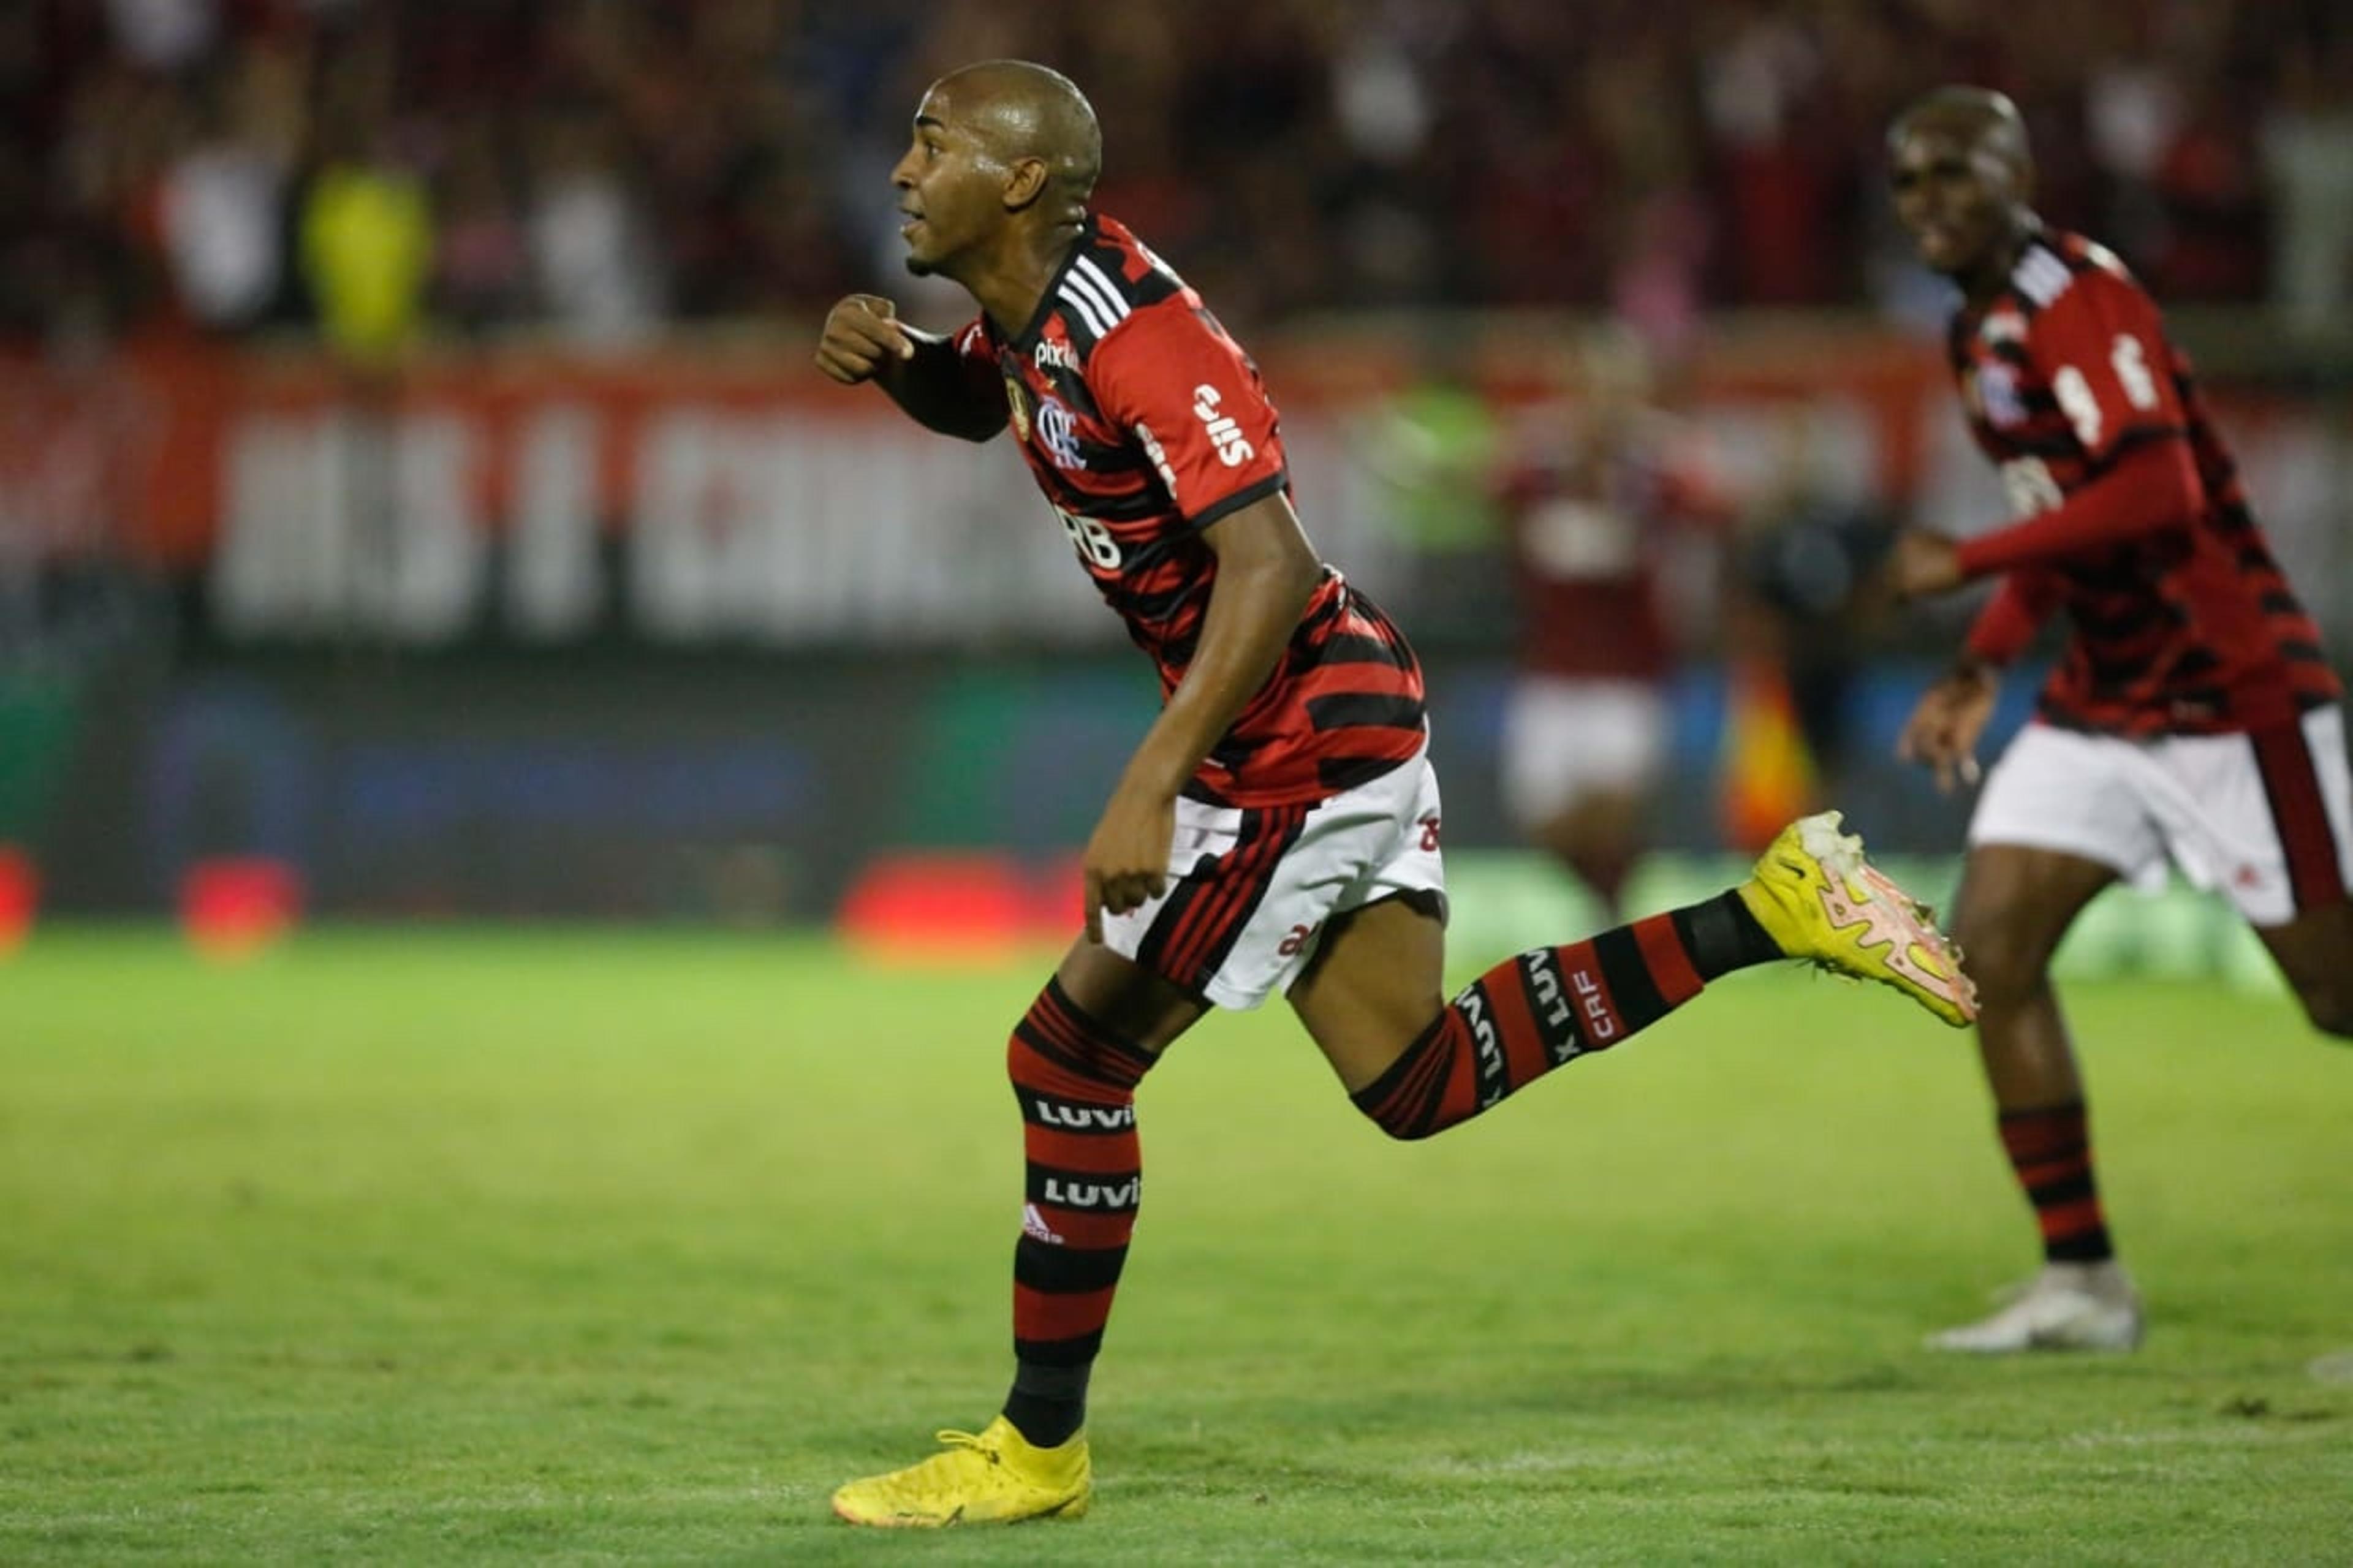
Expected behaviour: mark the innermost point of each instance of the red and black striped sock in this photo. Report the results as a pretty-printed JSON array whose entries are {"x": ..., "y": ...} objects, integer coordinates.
[
  {"x": 2051, "y": 1151},
  {"x": 1549, "y": 1006},
  {"x": 1076, "y": 1081}
]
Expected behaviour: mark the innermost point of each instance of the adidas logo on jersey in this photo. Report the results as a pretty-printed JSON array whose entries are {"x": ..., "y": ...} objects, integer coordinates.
[{"x": 2041, "y": 276}]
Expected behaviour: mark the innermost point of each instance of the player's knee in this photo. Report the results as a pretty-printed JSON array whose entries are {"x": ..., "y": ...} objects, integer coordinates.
[
  {"x": 1397, "y": 1121},
  {"x": 2006, "y": 967},
  {"x": 1403, "y": 1100},
  {"x": 1059, "y": 1047}
]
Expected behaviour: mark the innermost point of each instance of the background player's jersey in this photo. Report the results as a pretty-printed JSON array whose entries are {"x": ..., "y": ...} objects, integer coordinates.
[
  {"x": 1589, "y": 515},
  {"x": 2187, "y": 630},
  {"x": 1143, "y": 423}
]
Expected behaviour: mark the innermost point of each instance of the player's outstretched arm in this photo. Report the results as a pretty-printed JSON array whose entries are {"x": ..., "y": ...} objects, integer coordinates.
[{"x": 864, "y": 340}]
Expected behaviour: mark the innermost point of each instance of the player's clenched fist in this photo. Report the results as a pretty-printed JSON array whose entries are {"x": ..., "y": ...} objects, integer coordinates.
[{"x": 861, "y": 334}]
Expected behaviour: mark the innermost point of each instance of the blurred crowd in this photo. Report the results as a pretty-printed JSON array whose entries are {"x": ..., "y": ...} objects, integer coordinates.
[{"x": 597, "y": 169}]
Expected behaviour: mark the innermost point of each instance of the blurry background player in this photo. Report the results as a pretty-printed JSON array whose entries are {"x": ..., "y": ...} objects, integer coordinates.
[
  {"x": 2193, "y": 717},
  {"x": 1600, "y": 491},
  {"x": 1277, "y": 828}
]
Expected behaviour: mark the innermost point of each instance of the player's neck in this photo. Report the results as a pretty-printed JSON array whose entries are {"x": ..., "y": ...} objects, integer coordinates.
[
  {"x": 1009, "y": 286},
  {"x": 1984, "y": 284}
]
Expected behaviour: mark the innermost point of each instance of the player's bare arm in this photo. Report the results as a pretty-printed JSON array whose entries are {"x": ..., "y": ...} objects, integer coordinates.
[
  {"x": 864, "y": 340},
  {"x": 1267, "y": 572}
]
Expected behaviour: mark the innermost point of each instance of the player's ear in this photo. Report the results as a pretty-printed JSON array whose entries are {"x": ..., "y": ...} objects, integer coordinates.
[{"x": 1025, "y": 183}]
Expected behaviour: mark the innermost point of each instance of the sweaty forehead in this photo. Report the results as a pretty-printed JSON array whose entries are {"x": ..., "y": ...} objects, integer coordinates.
[{"x": 965, "y": 109}]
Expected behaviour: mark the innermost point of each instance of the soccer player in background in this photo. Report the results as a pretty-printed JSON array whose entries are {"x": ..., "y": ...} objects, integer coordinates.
[
  {"x": 1277, "y": 827},
  {"x": 1593, "y": 493},
  {"x": 2192, "y": 716}
]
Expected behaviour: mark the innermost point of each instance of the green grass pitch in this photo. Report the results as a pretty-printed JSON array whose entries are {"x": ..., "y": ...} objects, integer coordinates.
[{"x": 473, "y": 1246}]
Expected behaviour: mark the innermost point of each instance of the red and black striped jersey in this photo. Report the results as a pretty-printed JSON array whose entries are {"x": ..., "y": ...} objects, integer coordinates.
[
  {"x": 1143, "y": 423},
  {"x": 1589, "y": 516},
  {"x": 2187, "y": 630}
]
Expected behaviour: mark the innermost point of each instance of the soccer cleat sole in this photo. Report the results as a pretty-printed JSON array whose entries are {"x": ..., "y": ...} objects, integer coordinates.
[{"x": 1076, "y": 1508}]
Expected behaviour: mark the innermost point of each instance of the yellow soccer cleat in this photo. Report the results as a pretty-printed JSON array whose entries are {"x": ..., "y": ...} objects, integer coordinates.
[
  {"x": 996, "y": 1478},
  {"x": 1815, "y": 894}
]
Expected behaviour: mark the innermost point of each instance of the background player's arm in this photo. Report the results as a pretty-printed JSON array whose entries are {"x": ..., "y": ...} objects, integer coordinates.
[
  {"x": 2150, "y": 488},
  {"x": 2011, "y": 619},
  {"x": 1943, "y": 731},
  {"x": 1267, "y": 573},
  {"x": 925, "y": 374}
]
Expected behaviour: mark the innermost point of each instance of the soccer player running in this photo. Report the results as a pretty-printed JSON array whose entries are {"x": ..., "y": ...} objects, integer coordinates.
[
  {"x": 1277, "y": 827},
  {"x": 2192, "y": 716}
]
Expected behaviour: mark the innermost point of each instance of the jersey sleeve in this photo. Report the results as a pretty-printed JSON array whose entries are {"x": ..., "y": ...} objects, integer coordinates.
[
  {"x": 2100, "y": 347},
  {"x": 2021, "y": 604},
  {"x": 976, "y": 358},
  {"x": 1171, "y": 378}
]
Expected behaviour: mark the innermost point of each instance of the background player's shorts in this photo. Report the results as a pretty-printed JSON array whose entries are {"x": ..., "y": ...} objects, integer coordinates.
[
  {"x": 2266, "y": 817},
  {"x": 1250, "y": 890},
  {"x": 1565, "y": 739}
]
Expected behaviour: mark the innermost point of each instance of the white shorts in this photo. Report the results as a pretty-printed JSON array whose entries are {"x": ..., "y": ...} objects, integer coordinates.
[
  {"x": 1565, "y": 739},
  {"x": 1250, "y": 890},
  {"x": 2265, "y": 817}
]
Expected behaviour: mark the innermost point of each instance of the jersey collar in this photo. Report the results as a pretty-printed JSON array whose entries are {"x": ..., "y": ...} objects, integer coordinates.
[{"x": 1023, "y": 342}]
